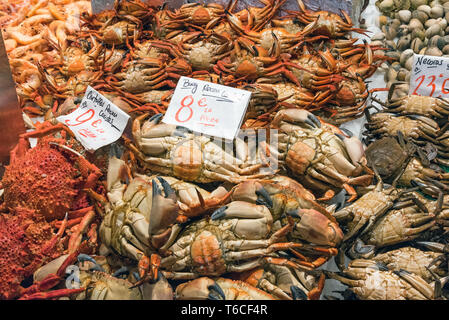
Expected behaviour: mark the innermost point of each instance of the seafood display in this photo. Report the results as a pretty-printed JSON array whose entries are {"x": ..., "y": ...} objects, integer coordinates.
[{"x": 166, "y": 212}]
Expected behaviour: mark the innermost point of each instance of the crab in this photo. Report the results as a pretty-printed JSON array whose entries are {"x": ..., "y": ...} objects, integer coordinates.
[
  {"x": 205, "y": 288},
  {"x": 176, "y": 151},
  {"x": 27, "y": 242},
  {"x": 237, "y": 237},
  {"x": 140, "y": 218},
  {"x": 48, "y": 178},
  {"x": 371, "y": 280},
  {"x": 408, "y": 258},
  {"x": 284, "y": 283},
  {"x": 319, "y": 154}
]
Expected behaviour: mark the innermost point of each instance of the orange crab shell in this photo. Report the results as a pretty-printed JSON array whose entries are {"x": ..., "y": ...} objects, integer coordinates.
[
  {"x": 43, "y": 179},
  {"x": 207, "y": 254}
]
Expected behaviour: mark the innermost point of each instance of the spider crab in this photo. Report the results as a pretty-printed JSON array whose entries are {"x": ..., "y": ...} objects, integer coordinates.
[{"x": 49, "y": 179}]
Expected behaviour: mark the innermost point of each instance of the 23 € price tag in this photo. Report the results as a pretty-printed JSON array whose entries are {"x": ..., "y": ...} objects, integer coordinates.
[
  {"x": 430, "y": 76},
  {"x": 97, "y": 121},
  {"x": 207, "y": 108}
]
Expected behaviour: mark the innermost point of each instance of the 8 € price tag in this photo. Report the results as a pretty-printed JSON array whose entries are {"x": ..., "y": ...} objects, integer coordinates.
[
  {"x": 97, "y": 121},
  {"x": 430, "y": 76},
  {"x": 207, "y": 108}
]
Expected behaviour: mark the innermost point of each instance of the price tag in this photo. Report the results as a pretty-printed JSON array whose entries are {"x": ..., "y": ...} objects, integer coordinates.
[
  {"x": 207, "y": 108},
  {"x": 430, "y": 76},
  {"x": 97, "y": 121}
]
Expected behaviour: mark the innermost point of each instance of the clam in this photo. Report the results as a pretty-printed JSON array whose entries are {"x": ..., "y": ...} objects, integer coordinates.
[
  {"x": 390, "y": 32},
  {"x": 446, "y": 16},
  {"x": 377, "y": 43},
  {"x": 390, "y": 75},
  {"x": 442, "y": 22},
  {"x": 405, "y": 55},
  {"x": 386, "y": 5},
  {"x": 433, "y": 51},
  {"x": 437, "y": 41},
  {"x": 382, "y": 20},
  {"x": 404, "y": 16},
  {"x": 420, "y": 15},
  {"x": 394, "y": 55},
  {"x": 425, "y": 8},
  {"x": 418, "y": 33},
  {"x": 391, "y": 44},
  {"x": 415, "y": 24},
  {"x": 404, "y": 42},
  {"x": 446, "y": 49},
  {"x": 446, "y": 7},
  {"x": 378, "y": 36},
  {"x": 409, "y": 63},
  {"x": 416, "y": 3},
  {"x": 416, "y": 45},
  {"x": 436, "y": 12},
  {"x": 433, "y": 30},
  {"x": 402, "y": 74},
  {"x": 430, "y": 22}
]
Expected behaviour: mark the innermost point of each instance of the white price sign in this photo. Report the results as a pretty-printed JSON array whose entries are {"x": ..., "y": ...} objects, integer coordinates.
[
  {"x": 207, "y": 108},
  {"x": 430, "y": 76},
  {"x": 97, "y": 121}
]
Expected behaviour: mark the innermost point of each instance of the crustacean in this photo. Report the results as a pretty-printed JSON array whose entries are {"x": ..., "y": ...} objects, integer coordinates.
[
  {"x": 51, "y": 171},
  {"x": 372, "y": 280},
  {"x": 27, "y": 242},
  {"x": 284, "y": 283},
  {"x": 327, "y": 23},
  {"x": 139, "y": 216},
  {"x": 205, "y": 288},
  {"x": 244, "y": 233},
  {"x": 319, "y": 154},
  {"x": 173, "y": 150},
  {"x": 409, "y": 258},
  {"x": 103, "y": 282},
  {"x": 237, "y": 237}
]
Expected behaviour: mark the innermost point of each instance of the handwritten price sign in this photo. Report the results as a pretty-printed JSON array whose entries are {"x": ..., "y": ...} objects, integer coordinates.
[
  {"x": 97, "y": 121},
  {"x": 430, "y": 76},
  {"x": 208, "y": 108}
]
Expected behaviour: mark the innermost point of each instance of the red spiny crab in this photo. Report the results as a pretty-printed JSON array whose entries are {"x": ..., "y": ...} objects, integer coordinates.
[
  {"x": 219, "y": 289},
  {"x": 139, "y": 217},
  {"x": 27, "y": 241},
  {"x": 169, "y": 149},
  {"x": 49, "y": 177},
  {"x": 299, "y": 96},
  {"x": 318, "y": 153}
]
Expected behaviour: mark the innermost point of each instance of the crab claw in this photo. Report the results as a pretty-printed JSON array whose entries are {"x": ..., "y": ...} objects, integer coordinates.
[
  {"x": 200, "y": 289},
  {"x": 360, "y": 250},
  {"x": 354, "y": 147},
  {"x": 123, "y": 271},
  {"x": 254, "y": 192},
  {"x": 315, "y": 227},
  {"x": 296, "y": 116},
  {"x": 297, "y": 293},
  {"x": 164, "y": 211}
]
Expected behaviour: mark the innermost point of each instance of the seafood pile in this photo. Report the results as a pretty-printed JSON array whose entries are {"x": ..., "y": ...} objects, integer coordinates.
[
  {"x": 407, "y": 28},
  {"x": 136, "y": 53},
  {"x": 167, "y": 213}
]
